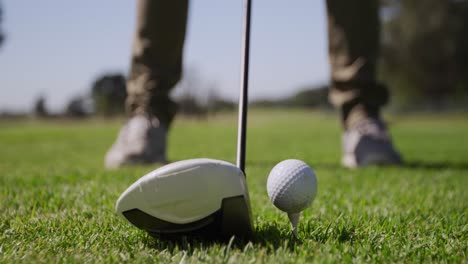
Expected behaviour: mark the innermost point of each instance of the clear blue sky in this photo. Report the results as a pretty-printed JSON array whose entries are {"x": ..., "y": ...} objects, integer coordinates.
[{"x": 57, "y": 47}]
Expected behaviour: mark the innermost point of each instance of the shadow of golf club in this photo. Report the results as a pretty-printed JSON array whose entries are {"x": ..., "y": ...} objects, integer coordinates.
[{"x": 268, "y": 236}]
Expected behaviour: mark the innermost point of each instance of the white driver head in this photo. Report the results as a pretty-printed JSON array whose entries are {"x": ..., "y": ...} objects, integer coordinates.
[{"x": 187, "y": 196}]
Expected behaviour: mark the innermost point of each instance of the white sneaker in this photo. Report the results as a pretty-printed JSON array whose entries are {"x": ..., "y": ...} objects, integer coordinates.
[
  {"x": 142, "y": 140},
  {"x": 368, "y": 143}
]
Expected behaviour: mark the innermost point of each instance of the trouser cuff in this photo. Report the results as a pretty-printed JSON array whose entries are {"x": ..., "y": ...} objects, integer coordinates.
[
  {"x": 157, "y": 104},
  {"x": 357, "y": 101}
]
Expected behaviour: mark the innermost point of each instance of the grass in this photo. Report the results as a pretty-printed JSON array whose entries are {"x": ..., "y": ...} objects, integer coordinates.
[{"x": 56, "y": 199}]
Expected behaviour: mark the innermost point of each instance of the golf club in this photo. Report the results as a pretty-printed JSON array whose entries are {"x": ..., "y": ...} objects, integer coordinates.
[
  {"x": 244, "y": 81},
  {"x": 202, "y": 196}
]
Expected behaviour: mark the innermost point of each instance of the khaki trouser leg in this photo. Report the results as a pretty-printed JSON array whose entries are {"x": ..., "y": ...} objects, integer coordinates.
[
  {"x": 156, "y": 64},
  {"x": 353, "y": 31}
]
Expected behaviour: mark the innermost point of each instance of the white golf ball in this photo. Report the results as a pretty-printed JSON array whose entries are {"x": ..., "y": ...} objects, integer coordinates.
[{"x": 292, "y": 186}]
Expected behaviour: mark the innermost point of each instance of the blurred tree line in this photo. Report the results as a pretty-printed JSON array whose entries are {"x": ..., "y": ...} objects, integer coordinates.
[
  {"x": 424, "y": 56},
  {"x": 108, "y": 92},
  {"x": 106, "y": 97},
  {"x": 306, "y": 97}
]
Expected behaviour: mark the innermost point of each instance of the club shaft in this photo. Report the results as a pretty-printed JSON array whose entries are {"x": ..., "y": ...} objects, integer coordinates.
[{"x": 244, "y": 82}]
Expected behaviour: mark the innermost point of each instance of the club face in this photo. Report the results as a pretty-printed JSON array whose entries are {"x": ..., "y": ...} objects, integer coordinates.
[{"x": 191, "y": 196}]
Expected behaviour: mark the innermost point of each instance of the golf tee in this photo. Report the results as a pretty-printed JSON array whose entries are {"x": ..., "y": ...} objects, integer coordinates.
[{"x": 294, "y": 219}]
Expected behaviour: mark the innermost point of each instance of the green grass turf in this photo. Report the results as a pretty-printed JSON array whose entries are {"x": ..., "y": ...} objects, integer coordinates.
[{"x": 57, "y": 200}]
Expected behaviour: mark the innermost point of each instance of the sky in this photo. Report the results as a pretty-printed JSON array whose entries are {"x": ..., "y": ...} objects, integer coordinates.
[{"x": 57, "y": 48}]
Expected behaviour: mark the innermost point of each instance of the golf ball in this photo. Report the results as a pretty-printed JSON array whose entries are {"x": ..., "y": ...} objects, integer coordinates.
[{"x": 292, "y": 185}]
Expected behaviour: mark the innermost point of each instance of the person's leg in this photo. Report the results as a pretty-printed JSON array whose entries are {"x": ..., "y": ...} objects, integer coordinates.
[
  {"x": 156, "y": 66},
  {"x": 354, "y": 34},
  {"x": 157, "y": 57}
]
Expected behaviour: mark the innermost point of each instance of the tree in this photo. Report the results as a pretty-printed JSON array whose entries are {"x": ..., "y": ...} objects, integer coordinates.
[
  {"x": 216, "y": 103},
  {"x": 310, "y": 97},
  {"x": 189, "y": 94},
  {"x": 2, "y": 35},
  {"x": 109, "y": 92},
  {"x": 313, "y": 97},
  {"x": 40, "y": 109},
  {"x": 424, "y": 51},
  {"x": 78, "y": 107}
]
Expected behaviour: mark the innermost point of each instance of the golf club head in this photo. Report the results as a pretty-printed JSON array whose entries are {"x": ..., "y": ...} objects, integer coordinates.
[{"x": 190, "y": 196}]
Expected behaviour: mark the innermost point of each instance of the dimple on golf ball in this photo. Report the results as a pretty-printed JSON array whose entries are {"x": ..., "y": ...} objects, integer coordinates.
[{"x": 292, "y": 185}]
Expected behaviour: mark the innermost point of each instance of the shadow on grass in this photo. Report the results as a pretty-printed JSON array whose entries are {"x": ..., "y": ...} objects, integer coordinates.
[
  {"x": 338, "y": 231},
  {"x": 436, "y": 165},
  {"x": 268, "y": 236}
]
